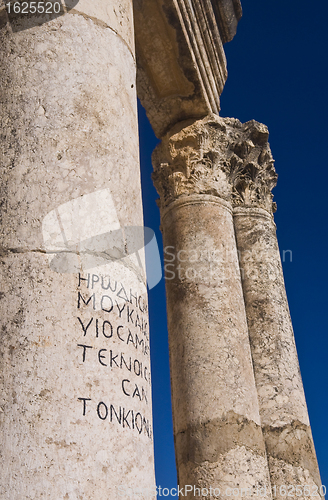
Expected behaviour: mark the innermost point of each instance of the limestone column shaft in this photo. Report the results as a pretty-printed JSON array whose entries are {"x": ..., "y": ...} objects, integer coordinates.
[
  {"x": 75, "y": 390},
  {"x": 218, "y": 437},
  {"x": 284, "y": 417}
]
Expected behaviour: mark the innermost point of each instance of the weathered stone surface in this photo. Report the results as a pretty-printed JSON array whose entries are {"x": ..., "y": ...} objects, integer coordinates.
[
  {"x": 55, "y": 351},
  {"x": 221, "y": 162},
  {"x": 227, "y": 13},
  {"x": 218, "y": 436},
  {"x": 118, "y": 18},
  {"x": 69, "y": 138},
  {"x": 181, "y": 61},
  {"x": 63, "y": 129},
  {"x": 285, "y": 422}
]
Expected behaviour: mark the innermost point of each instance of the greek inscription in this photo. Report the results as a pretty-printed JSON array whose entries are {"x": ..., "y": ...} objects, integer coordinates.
[
  {"x": 95, "y": 281},
  {"x": 102, "y": 411},
  {"x": 104, "y": 296},
  {"x": 132, "y": 390},
  {"x": 85, "y": 328},
  {"x": 85, "y": 347},
  {"x": 86, "y": 302},
  {"x": 128, "y": 419},
  {"x": 84, "y": 404},
  {"x": 106, "y": 303},
  {"x": 101, "y": 357}
]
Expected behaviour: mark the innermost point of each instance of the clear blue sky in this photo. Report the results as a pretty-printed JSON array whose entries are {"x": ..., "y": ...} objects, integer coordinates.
[{"x": 278, "y": 70}]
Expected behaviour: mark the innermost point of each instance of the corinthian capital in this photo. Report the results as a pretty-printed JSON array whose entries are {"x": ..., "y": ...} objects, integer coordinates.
[{"x": 217, "y": 156}]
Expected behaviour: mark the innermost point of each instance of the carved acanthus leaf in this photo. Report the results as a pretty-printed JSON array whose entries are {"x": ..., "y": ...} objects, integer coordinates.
[{"x": 217, "y": 156}]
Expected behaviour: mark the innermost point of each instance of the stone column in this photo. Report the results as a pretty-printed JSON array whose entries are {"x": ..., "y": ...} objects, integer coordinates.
[
  {"x": 75, "y": 393},
  {"x": 285, "y": 423},
  {"x": 218, "y": 437}
]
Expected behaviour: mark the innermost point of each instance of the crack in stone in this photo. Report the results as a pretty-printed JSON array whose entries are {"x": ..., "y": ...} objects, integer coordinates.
[
  {"x": 9, "y": 251},
  {"x": 97, "y": 255},
  {"x": 292, "y": 444},
  {"x": 98, "y": 22},
  {"x": 102, "y": 24},
  {"x": 208, "y": 440}
]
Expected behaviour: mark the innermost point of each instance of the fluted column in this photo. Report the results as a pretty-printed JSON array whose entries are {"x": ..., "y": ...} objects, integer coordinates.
[
  {"x": 75, "y": 391},
  {"x": 218, "y": 436},
  {"x": 285, "y": 423}
]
